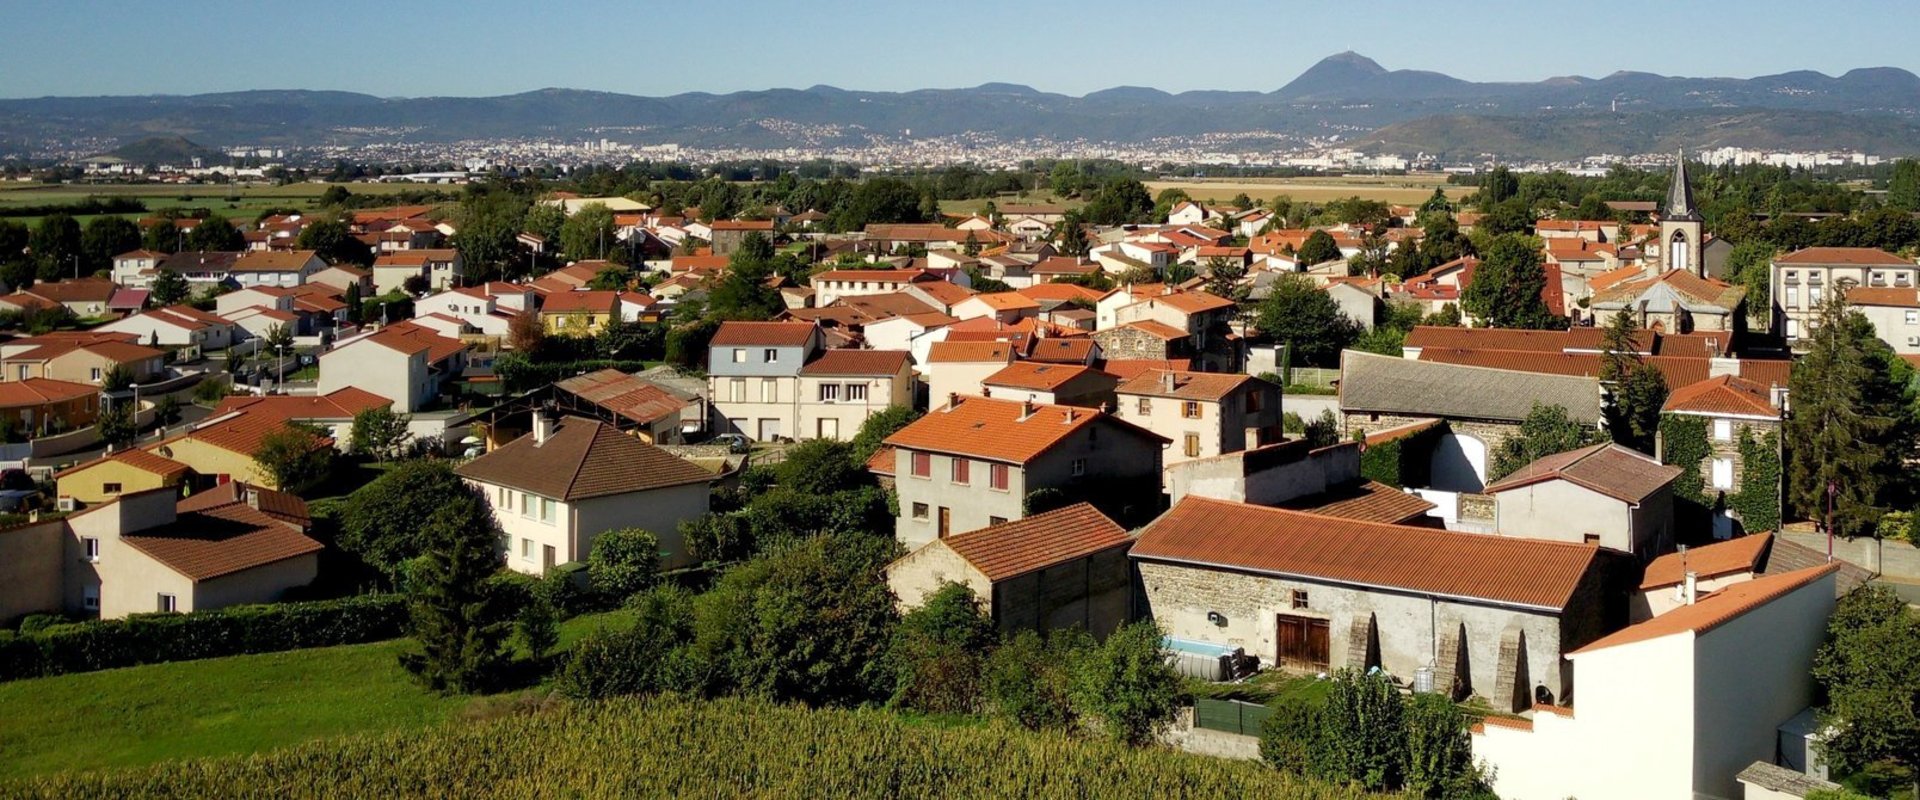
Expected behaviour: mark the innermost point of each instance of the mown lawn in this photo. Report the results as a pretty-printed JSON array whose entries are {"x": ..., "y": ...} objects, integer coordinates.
[{"x": 222, "y": 706}]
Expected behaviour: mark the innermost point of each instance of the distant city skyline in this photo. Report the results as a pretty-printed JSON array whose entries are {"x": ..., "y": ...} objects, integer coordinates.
[{"x": 492, "y": 47}]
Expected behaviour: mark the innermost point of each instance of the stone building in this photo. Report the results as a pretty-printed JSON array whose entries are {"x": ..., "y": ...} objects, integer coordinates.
[
  {"x": 1491, "y": 616},
  {"x": 1146, "y": 340},
  {"x": 1060, "y": 569},
  {"x": 1730, "y": 407}
]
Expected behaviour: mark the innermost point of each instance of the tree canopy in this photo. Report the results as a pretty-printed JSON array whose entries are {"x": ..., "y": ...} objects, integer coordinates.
[
  {"x": 1300, "y": 314},
  {"x": 1506, "y": 287}
]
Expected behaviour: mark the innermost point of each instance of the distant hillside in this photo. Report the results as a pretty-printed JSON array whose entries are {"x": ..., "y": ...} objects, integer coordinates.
[
  {"x": 1561, "y": 136},
  {"x": 1341, "y": 96},
  {"x": 176, "y": 150}
]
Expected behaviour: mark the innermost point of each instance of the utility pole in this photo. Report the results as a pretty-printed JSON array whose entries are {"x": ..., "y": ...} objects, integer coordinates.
[{"x": 1833, "y": 488}]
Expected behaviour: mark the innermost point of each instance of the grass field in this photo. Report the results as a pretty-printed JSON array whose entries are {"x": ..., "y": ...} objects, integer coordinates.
[
  {"x": 252, "y": 199},
  {"x": 1403, "y": 189},
  {"x": 223, "y": 706}
]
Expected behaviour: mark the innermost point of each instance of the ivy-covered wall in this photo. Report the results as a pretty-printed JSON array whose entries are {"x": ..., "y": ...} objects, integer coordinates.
[
  {"x": 1757, "y": 502},
  {"x": 1683, "y": 443},
  {"x": 1406, "y": 461}
]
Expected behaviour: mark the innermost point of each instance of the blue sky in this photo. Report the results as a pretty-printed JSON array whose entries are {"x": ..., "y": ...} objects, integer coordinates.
[{"x": 486, "y": 47}]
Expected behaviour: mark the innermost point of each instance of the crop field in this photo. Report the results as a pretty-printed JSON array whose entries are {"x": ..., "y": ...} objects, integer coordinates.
[
  {"x": 236, "y": 201},
  {"x": 1402, "y": 189}
]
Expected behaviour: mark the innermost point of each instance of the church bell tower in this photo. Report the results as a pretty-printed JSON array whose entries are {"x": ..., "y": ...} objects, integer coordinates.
[{"x": 1680, "y": 224}]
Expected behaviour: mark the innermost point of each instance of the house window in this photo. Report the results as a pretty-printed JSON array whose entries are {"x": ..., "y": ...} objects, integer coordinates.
[
  {"x": 769, "y": 391},
  {"x": 1253, "y": 402},
  {"x": 1300, "y": 598},
  {"x": 1723, "y": 430},
  {"x": 919, "y": 510},
  {"x": 96, "y": 374},
  {"x": 1145, "y": 406},
  {"x": 92, "y": 546},
  {"x": 168, "y": 603},
  {"x": 829, "y": 392},
  {"x": 997, "y": 477},
  {"x": 737, "y": 390},
  {"x": 526, "y": 505},
  {"x": 739, "y": 355},
  {"x": 1813, "y": 295},
  {"x": 506, "y": 498},
  {"x": 1079, "y": 467},
  {"x": 1193, "y": 445},
  {"x": 546, "y": 510},
  {"x": 1723, "y": 473},
  {"x": 1190, "y": 409},
  {"x": 90, "y": 598},
  {"x": 996, "y": 520},
  {"x": 1913, "y": 317},
  {"x": 1591, "y": 538},
  {"x": 769, "y": 355},
  {"x": 922, "y": 465},
  {"x": 856, "y": 392},
  {"x": 962, "y": 471},
  {"x": 109, "y": 488},
  {"x": 1793, "y": 296}
]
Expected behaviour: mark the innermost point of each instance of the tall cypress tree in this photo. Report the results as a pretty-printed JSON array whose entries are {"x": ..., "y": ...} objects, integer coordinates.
[
  {"x": 1843, "y": 425},
  {"x": 459, "y": 618},
  {"x": 1634, "y": 390}
]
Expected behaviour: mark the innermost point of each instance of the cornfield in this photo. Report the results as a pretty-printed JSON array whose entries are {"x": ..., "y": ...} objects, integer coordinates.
[{"x": 672, "y": 748}]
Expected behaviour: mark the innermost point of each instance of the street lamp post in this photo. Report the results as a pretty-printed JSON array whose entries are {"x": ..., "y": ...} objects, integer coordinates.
[
  {"x": 280, "y": 365},
  {"x": 136, "y": 411}
]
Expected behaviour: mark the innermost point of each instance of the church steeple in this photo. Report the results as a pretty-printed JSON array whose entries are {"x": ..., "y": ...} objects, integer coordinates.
[{"x": 1679, "y": 194}]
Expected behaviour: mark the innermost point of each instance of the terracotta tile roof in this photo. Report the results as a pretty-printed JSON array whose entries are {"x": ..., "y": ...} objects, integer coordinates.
[
  {"x": 1707, "y": 291},
  {"x": 1021, "y": 546},
  {"x": 40, "y": 391},
  {"x": 1714, "y": 610},
  {"x": 137, "y": 459},
  {"x": 412, "y": 337},
  {"x": 1192, "y": 302},
  {"x": 203, "y": 545},
  {"x": 580, "y": 302},
  {"x": 916, "y": 232},
  {"x": 881, "y": 462},
  {"x": 1367, "y": 501},
  {"x": 742, "y": 225},
  {"x": 624, "y": 395},
  {"x": 337, "y": 404},
  {"x": 1076, "y": 350},
  {"x": 1061, "y": 292},
  {"x": 1039, "y": 377},
  {"x": 1844, "y": 256},
  {"x": 1157, "y": 329},
  {"x": 239, "y": 433},
  {"x": 1724, "y": 394},
  {"x": 1607, "y": 468},
  {"x": 951, "y": 352},
  {"x": 415, "y": 258},
  {"x": 583, "y": 459},
  {"x": 1744, "y": 554},
  {"x": 1061, "y": 265},
  {"x": 765, "y": 334},
  {"x": 74, "y": 290},
  {"x": 858, "y": 362},
  {"x": 272, "y": 261},
  {"x": 1129, "y": 368},
  {"x": 1211, "y": 386},
  {"x": 288, "y": 508},
  {"x": 1007, "y": 301},
  {"x": 1679, "y": 371},
  {"x": 1217, "y": 534},
  {"x": 943, "y": 292},
  {"x": 1883, "y": 296},
  {"x": 1615, "y": 277},
  {"x": 876, "y": 275},
  {"x": 1000, "y": 430}
]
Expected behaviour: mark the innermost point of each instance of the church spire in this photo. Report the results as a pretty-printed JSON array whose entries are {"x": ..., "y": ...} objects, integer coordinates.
[{"x": 1679, "y": 194}]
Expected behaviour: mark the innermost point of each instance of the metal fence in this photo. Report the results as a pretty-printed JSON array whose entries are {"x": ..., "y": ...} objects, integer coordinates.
[{"x": 1230, "y": 716}]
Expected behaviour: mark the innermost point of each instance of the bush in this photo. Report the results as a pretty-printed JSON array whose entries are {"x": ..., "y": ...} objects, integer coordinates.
[
  {"x": 939, "y": 652},
  {"x": 652, "y": 656},
  {"x": 623, "y": 562},
  {"x": 1127, "y": 684},
  {"x": 1029, "y": 681},
  {"x": 157, "y": 638}
]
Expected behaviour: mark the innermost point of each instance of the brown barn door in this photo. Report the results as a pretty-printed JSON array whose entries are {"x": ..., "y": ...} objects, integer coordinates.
[{"x": 1303, "y": 642}]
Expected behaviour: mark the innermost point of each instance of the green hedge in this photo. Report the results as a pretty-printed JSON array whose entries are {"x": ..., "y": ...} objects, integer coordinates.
[{"x": 156, "y": 638}]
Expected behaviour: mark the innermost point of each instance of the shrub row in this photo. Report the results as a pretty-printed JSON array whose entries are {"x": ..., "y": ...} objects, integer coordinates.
[{"x": 157, "y": 638}]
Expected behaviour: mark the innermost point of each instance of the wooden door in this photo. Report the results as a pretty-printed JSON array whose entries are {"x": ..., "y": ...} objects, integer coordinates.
[
  {"x": 547, "y": 557},
  {"x": 946, "y": 521},
  {"x": 1303, "y": 642}
]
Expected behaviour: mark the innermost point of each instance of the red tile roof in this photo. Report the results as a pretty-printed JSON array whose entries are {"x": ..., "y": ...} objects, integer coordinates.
[
  {"x": 877, "y": 275},
  {"x": 1210, "y": 386},
  {"x": 1715, "y": 609},
  {"x": 1021, "y": 546},
  {"x": 1061, "y": 292},
  {"x": 765, "y": 334},
  {"x": 1724, "y": 394},
  {"x": 1007, "y": 301},
  {"x": 272, "y": 261},
  {"x": 1157, "y": 329},
  {"x": 1883, "y": 296},
  {"x": 1037, "y": 377},
  {"x": 40, "y": 391},
  {"x": 283, "y": 506},
  {"x": 203, "y": 545},
  {"x": 138, "y": 459},
  {"x": 1129, "y": 368},
  {"x": 1215, "y": 534},
  {"x": 858, "y": 362},
  {"x": 1192, "y": 302},
  {"x": 1844, "y": 256},
  {"x": 1056, "y": 350},
  {"x": 1745, "y": 554},
  {"x": 1607, "y": 468},
  {"x": 742, "y": 225},
  {"x": 580, "y": 302},
  {"x": 623, "y": 394},
  {"x": 583, "y": 459},
  {"x": 1367, "y": 501},
  {"x": 881, "y": 462},
  {"x": 1001, "y": 430},
  {"x": 950, "y": 352}
]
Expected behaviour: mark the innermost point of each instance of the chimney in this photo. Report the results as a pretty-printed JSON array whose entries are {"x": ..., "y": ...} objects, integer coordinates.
[
  {"x": 542, "y": 426},
  {"x": 1068, "y": 417},
  {"x": 1026, "y": 409},
  {"x": 1166, "y": 381},
  {"x": 953, "y": 400},
  {"x": 250, "y": 495},
  {"x": 1690, "y": 589}
]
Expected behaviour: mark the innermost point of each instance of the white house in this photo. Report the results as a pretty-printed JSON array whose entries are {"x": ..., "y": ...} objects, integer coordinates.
[
  {"x": 175, "y": 326},
  {"x": 404, "y": 362},
  {"x": 275, "y": 268}
]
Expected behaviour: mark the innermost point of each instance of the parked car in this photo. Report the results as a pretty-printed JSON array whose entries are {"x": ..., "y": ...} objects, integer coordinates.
[{"x": 736, "y": 443}]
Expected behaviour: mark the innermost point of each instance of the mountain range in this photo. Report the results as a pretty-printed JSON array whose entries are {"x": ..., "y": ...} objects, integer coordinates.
[{"x": 1347, "y": 95}]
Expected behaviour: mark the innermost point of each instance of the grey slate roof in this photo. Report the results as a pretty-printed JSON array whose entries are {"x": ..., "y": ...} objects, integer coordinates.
[
  {"x": 1390, "y": 385},
  {"x": 1783, "y": 780}
]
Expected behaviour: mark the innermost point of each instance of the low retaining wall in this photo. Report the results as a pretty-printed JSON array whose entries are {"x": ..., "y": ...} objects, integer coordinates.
[{"x": 1892, "y": 559}]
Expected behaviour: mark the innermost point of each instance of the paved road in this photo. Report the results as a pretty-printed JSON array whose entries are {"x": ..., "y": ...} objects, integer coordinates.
[{"x": 189, "y": 414}]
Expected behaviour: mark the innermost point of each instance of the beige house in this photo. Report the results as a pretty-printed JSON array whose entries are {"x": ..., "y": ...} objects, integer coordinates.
[
  {"x": 842, "y": 388},
  {"x": 1676, "y": 707},
  {"x": 405, "y": 362},
  {"x": 1061, "y": 569},
  {"x": 275, "y": 268},
  {"x": 753, "y": 375},
  {"x": 1894, "y": 312},
  {"x": 1205, "y": 414},
  {"x": 148, "y": 552},
  {"x": 1604, "y": 494},
  {"x": 1801, "y": 279},
  {"x": 1065, "y": 384},
  {"x": 961, "y": 367},
  {"x": 79, "y": 357},
  {"x": 554, "y": 490}
]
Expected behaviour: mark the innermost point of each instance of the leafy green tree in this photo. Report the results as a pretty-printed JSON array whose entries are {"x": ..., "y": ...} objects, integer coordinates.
[
  {"x": 1323, "y": 431},
  {"x": 106, "y": 237},
  {"x": 1127, "y": 684},
  {"x": 335, "y": 195},
  {"x": 116, "y": 424},
  {"x": 742, "y": 292},
  {"x": 162, "y": 237},
  {"x": 1302, "y": 315},
  {"x": 1869, "y": 668},
  {"x": 1545, "y": 431},
  {"x": 820, "y": 467},
  {"x": 381, "y": 520},
  {"x": 1506, "y": 287},
  {"x": 1365, "y": 731},
  {"x": 489, "y": 224},
  {"x": 380, "y": 433},
  {"x": 1499, "y": 186},
  {"x": 652, "y": 655},
  {"x": 545, "y": 221},
  {"x": 1118, "y": 201},
  {"x": 1903, "y": 190},
  {"x": 589, "y": 233},
  {"x": 1029, "y": 679},
  {"x": 169, "y": 287},
  {"x": 13, "y": 240},
  {"x": 215, "y": 233},
  {"x": 56, "y": 246},
  {"x": 1164, "y": 202},
  {"x": 1750, "y": 264},
  {"x": 1850, "y": 421},
  {"x": 623, "y": 562},
  {"x": 1224, "y": 276},
  {"x": 939, "y": 652},
  {"x": 458, "y": 617},
  {"x": 117, "y": 378},
  {"x": 1633, "y": 390},
  {"x": 294, "y": 457},
  {"x": 1319, "y": 248},
  {"x": 877, "y": 428},
  {"x": 611, "y": 278},
  {"x": 334, "y": 242},
  {"x": 879, "y": 200}
]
